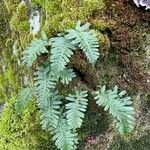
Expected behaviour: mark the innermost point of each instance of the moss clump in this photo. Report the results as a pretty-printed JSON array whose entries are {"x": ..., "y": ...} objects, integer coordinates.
[
  {"x": 9, "y": 78},
  {"x": 3, "y": 89},
  {"x": 62, "y": 15},
  {"x": 102, "y": 24},
  {"x": 22, "y": 132},
  {"x": 19, "y": 20},
  {"x": 11, "y": 5}
]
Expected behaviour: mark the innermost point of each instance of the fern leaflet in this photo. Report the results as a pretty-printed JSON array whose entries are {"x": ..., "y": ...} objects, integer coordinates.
[
  {"x": 119, "y": 106},
  {"x": 36, "y": 48},
  {"x": 64, "y": 137},
  {"x": 50, "y": 112},
  {"x": 44, "y": 84},
  {"x": 86, "y": 39},
  {"x": 76, "y": 108},
  {"x": 61, "y": 51}
]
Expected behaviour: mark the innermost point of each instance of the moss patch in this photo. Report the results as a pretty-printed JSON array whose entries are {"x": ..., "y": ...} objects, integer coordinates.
[{"x": 19, "y": 21}]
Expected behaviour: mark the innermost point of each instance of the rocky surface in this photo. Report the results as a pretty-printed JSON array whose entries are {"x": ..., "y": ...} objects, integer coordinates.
[{"x": 123, "y": 31}]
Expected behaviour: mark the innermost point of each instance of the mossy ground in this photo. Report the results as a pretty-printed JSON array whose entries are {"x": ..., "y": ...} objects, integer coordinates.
[{"x": 119, "y": 26}]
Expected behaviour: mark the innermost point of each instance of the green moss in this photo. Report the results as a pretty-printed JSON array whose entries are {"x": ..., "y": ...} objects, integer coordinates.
[
  {"x": 143, "y": 143},
  {"x": 13, "y": 79},
  {"x": 102, "y": 24},
  {"x": 60, "y": 16},
  {"x": 9, "y": 80},
  {"x": 22, "y": 132},
  {"x": 11, "y": 5},
  {"x": 3, "y": 88},
  {"x": 19, "y": 20}
]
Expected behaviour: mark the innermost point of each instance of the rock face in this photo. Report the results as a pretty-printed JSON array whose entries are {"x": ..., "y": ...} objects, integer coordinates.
[
  {"x": 145, "y": 3},
  {"x": 119, "y": 25}
]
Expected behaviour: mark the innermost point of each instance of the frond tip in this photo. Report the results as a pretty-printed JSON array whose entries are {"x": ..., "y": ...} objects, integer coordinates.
[
  {"x": 64, "y": 136},
  {"x": 76, "y": 108},
  {"x": 36, "y": 48},
  {"x": 86, "y": 39},
  {"x": 61, "y": 51},
  {"x": 50, "y": 112},
  {"x": 119, "y": 106}
]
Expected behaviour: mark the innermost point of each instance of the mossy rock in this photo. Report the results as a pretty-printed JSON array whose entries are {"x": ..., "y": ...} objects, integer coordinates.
[
  {"x": 24, "y": 132},
  {"x": 142, "y": 143}
]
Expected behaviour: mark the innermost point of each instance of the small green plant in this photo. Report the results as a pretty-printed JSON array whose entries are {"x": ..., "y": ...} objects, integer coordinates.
[{"x": 61, "y": 115}]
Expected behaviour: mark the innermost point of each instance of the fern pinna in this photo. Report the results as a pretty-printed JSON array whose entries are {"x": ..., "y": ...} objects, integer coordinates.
[
  {"x": 86, "y": 40},
  {"x": 60, "y": 114}
]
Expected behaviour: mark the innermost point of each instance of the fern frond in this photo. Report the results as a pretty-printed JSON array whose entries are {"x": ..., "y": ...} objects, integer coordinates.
[
  {"x": 66, "y": 76},
  {"x": 44, "y": 85},
  {"x": 25, "y": 96},
  {"x": 64, "y": 137},
  {"x": 36, "y": 48},
  {"x": 50, "y": 112},
  {"x": 75, "y": 108},
  {"x": 86, "y": 40},
  {"x": 61, "y": 51},
  {"x": 119, "y": 106}
]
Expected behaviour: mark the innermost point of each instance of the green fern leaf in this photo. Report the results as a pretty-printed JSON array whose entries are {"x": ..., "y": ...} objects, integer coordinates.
[
  {"x": 36, "y": 48},
  {"x": 119, "y": 106},
  {"x": 50, "y": 112},
  {"x": 25, "y": 96},
  {"x": 44, "y": 84},
  {"x": 66, "y": 76},
  {"x": 64, "y": 137},
  {"x": 61, "y": 51},
  {"x": 86, "y": 40},
  {"x": 76, "y": 108}
]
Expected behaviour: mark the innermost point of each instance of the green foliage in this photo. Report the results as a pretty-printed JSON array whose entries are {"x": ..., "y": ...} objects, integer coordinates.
[
  {"x": 76, "y": 108},
  {"x": 36, "y": 48},
  {"x": 86, "y": 40},
  {"x": 119, "y": 106},
  {"x": 61, "y": 51}
]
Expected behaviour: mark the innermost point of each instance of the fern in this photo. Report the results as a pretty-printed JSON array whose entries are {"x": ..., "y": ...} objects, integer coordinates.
[
  {"x": 50, "y": 112},
  {"x": 119, "y": 106},
  {"x": 64, "y": 137},
  {"x": 76, "y": 108},
  {"x": 66, "y": 76},
  {"x": 86, "y": 40},
  {"x": 23, "y": 99},
  {"x": 61, "y": 51},
  {"x": 62, "y": 122},
  {"x": 44, "y": 84},
  {"x": 36, "y": 48}
]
